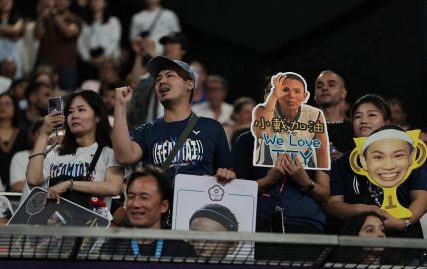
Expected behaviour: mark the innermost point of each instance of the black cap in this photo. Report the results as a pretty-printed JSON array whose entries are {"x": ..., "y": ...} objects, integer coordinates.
[
  {"x": 158, "y": 63},
  {"x": 175, "y": 37}
]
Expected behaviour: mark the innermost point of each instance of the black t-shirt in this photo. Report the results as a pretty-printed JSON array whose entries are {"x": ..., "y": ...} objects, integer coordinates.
[
  {"x": 169, "y": 248},
  {"x": 341, "y": 135}
]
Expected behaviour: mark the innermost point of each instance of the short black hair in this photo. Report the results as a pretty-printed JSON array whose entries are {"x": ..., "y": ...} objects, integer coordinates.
[
  {"x": 163, "y": 183},
  {"x": 377, "y": 101}
]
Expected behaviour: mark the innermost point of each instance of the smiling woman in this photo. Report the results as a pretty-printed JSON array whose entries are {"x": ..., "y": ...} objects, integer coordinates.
[
  {"x": 82, "y": 168},
  {"x": 387, "y": 161}
]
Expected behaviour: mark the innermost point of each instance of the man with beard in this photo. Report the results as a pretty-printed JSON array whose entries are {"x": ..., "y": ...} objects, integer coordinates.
[
  {"x": 330, "y": 95},
  {"x": 205, "y": 150}
]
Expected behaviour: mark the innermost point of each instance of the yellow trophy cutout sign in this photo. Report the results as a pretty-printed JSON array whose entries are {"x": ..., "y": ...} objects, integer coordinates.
[{"x": 387, "y": 158}]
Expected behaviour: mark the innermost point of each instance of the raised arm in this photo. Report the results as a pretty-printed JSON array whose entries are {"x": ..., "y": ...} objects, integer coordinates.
[
  {"x": 13, "y": 31},
  {"x": 36, "y": 160},
  {"x": 265, "y": 112},
  {"x": 69, "y": 30},
  {"x": 126, "y": 151}
]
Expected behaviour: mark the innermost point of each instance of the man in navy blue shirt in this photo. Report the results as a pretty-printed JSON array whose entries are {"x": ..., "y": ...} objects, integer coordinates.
[{"x": 204, "y": 152}]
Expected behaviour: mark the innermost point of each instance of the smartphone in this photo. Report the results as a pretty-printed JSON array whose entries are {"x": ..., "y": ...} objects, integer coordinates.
[{"x": 56, "y": 104}]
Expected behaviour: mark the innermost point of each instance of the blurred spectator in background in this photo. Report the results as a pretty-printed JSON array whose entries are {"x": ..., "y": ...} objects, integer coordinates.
[
  {"x": 58, "y": 29},
  {"x": 11, "y": 28},
  {"x": 37, "y": 95},
  {"x": 330, "y": 98},
  {"x": 109, "y": 72},
  {"x": 17, "y": 89},
  {"x": 240, "y": 119},
  {"x": 12, "y": 137},
  {"x": 399, "y": 113},
  {"x": 108, "y": 95},
  {"x": 154, "y": 22},
  {"x": 30, "y": 44},
  {"x": 7, "y": 71},
  {"x": 199, "y": 92},
  {"x": 175, "y": 45},
  {"x": 216, "y": 107},
  {"x": 100, "y": 35},
  {"x": 18, "y": 165},
  {"x": 48, "y": 74}
]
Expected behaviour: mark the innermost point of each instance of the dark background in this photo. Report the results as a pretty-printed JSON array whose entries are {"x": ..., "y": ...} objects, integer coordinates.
[{"x": 377, "y": 46}]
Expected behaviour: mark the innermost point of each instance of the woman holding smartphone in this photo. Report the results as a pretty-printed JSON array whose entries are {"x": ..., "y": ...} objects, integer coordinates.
[{"x": 82, "y": 168}]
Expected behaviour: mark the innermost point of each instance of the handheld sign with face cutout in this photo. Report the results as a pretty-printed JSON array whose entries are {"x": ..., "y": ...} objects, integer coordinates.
[
  {"x": 285, "y": 124},
  {"x": 387, "y": 158}
]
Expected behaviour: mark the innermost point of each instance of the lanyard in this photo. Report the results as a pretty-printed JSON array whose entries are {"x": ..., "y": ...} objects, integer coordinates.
[{"x": 159, "y": 247}]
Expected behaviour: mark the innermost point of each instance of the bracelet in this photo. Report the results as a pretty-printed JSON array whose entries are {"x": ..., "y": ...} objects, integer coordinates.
[
  {"x": 71, "y": 185},
  {"x": 36, "y": 154}
]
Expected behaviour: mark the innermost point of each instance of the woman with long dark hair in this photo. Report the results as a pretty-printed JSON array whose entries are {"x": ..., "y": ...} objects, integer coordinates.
[
  {"x": 12, "y": 137},
  {"x": 82, "y": 168}
]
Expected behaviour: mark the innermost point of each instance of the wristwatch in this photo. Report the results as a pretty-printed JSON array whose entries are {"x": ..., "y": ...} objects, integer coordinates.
[
  {"x": 407, "y": 224},
  {"x": 308, "y": 188}
]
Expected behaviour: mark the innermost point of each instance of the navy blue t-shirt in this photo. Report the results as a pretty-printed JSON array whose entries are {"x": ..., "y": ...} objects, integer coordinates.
[
  {"x": 357, "y": 189},
  {"x": 205, "y": 150},
  {"x": 300, "y": 208}
]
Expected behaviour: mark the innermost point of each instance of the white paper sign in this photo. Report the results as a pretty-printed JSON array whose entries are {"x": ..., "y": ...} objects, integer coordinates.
[{"x": 233, "y": 206}]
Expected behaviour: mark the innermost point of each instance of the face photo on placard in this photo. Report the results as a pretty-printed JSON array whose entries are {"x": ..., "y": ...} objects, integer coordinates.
[
  {"x": 33, "y": 211},
  {"x": 201, "y": 204},
  {"x": 285, "y": 124},
  {"x": 387, "y": 157}
]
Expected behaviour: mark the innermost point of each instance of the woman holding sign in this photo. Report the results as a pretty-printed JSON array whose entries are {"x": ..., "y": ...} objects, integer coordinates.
[
  {"x": 82, "y": 168},
  {"x": 352, "y": 193}
]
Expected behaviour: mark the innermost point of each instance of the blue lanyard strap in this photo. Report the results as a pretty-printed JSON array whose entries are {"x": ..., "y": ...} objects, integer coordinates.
[{"x": 159, "y": 247}]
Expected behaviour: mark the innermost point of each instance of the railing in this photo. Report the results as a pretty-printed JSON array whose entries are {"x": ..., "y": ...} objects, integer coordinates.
[{"x": 21, "y": 243}]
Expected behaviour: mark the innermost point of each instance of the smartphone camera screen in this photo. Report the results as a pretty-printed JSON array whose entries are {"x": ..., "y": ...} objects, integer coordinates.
[{"x": 56, "y": 104}]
